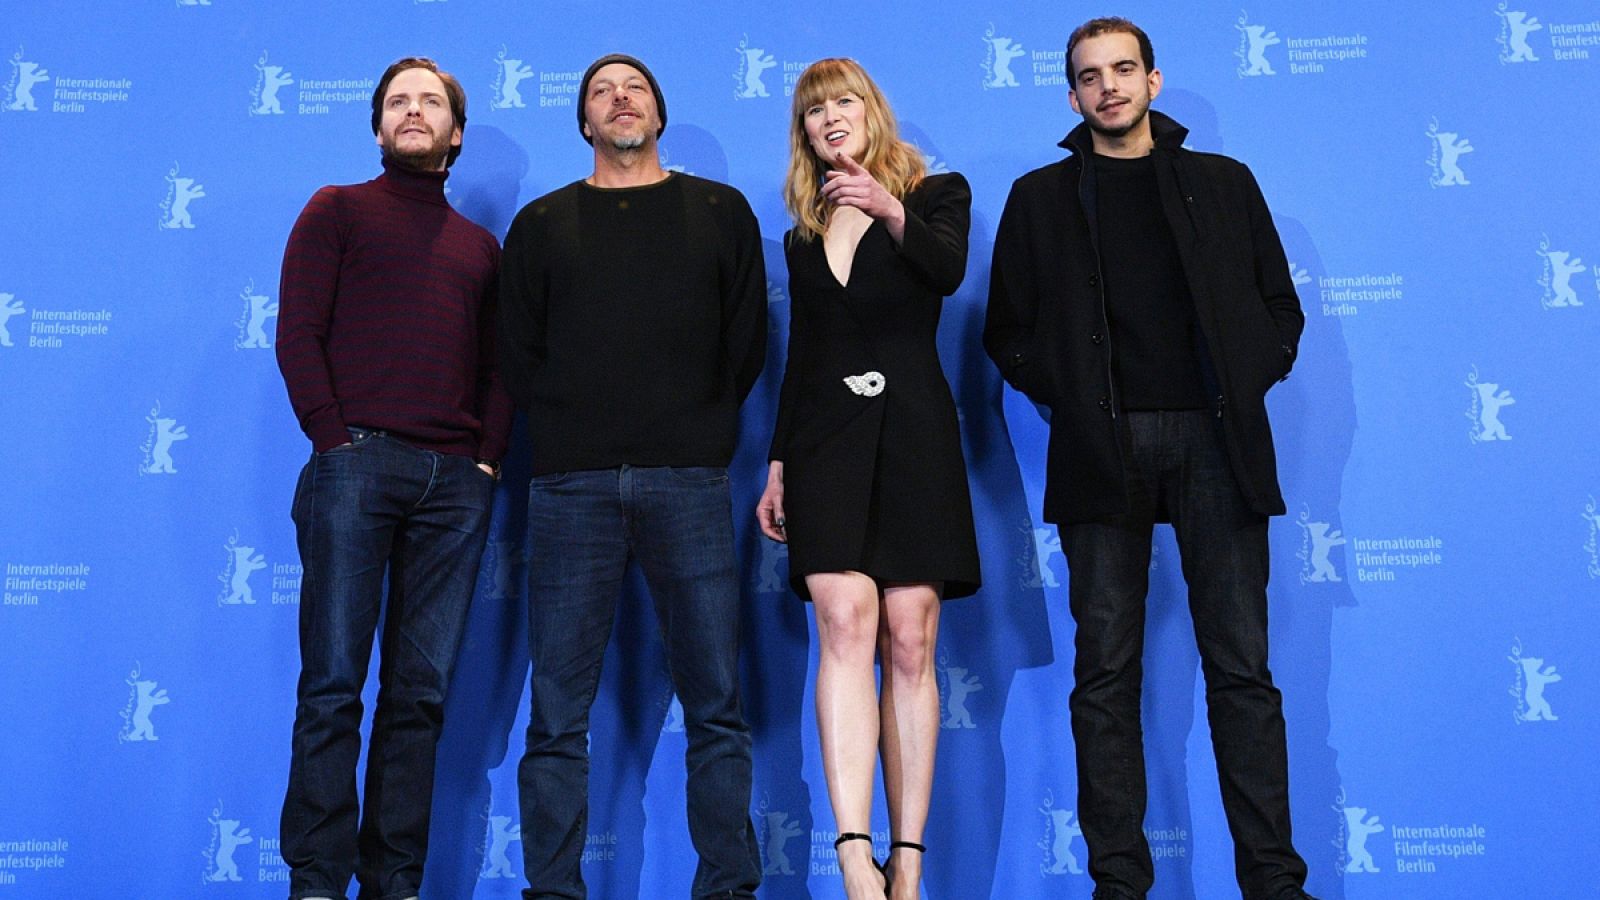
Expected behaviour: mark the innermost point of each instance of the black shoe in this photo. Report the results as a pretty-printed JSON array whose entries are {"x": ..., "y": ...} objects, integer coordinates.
[
  {"x": 888, "y": 878},
  {"x": 1293, "y": 894},
  {"x": 858, "y": 836}
]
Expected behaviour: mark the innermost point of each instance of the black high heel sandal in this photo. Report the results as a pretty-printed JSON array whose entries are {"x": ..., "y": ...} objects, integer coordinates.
[
  {"x": 858, "y": 836},
  {"x": 893, "y": 845}
]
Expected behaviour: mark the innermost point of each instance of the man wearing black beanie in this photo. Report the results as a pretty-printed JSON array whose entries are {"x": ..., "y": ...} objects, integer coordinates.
[
  {"x": 633, "y": 325},
  {"x": 630, "y": 62}
]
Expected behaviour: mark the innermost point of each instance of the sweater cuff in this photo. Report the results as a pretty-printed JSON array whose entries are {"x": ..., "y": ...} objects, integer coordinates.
[
  {"x": 327, "y": 433},
  {"x": 492, "y": 451}
]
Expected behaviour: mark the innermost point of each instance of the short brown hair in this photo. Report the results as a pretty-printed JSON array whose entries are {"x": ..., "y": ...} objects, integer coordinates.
[
  {"x": 452, "y": 90},
  {"x": 1109, "y": 25}
]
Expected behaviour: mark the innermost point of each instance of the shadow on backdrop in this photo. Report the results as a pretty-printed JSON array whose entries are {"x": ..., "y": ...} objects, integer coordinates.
[{"x": 983, "y": 639}]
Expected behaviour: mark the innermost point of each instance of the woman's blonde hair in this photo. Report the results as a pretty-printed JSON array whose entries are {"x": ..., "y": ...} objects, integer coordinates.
[{"x": 896, "y": 164}]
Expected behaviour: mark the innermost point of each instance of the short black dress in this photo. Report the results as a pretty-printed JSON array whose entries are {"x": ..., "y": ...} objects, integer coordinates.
[{"x": 874, "y": 480}]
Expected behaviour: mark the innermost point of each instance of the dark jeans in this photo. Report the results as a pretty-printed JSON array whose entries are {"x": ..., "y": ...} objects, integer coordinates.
[
  {"x": 1177, "y": 468},
  {"x": 372, "y": 504},
  {"x": 583, "y": 528}
]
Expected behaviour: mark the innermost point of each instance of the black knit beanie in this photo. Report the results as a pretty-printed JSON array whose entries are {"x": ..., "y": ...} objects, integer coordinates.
[{"x": 625, "y": 59}]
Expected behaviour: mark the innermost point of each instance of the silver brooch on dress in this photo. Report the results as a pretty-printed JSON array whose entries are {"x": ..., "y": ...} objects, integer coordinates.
[{"x": 870, "y": 384}]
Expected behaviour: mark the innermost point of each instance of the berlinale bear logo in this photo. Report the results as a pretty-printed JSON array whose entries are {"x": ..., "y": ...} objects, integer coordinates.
[
  {"x": 997, "y": 60},
  {"x": 509, "y": 73},
  {"x": 959, "y": 685},
  {"x": 24, "y": 77},
  {"x": 496, "y": 860},
  {"x": 143, "y": 698},
  {"x": 1559, "y": 267},
  {"x": 753, "y": 61},
  {"x": 181, "y": 192},
  {"x": 1360, "y": 827},
  {"x": 243, "y": 562},
  {"x": 252, "y": 322},
  {"x": 1484, "y": 410},
  {"x": 1515, "y": 26},
  {"x": 1060, "y": 829},
  {"x": 1445, "y": 157},
  {"x": 226, "y": 837},
  {"x": 1253, "y": 43},
  {"x": 164, "y": 432},
  {"x": 10, "y": 306},
  {"x": 1532, "y": 676},
  {"x": 780, "y": 829},
  {"x": 269, "y": 80}
]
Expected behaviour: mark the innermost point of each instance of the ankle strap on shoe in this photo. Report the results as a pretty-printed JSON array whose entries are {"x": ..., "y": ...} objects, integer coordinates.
[
  {"x": 851, "y": 836},
  {"x": 909, "y": 845}
]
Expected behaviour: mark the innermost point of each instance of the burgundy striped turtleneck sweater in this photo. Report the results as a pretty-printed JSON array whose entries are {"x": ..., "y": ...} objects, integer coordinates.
[{"x": 387, "y": 318}]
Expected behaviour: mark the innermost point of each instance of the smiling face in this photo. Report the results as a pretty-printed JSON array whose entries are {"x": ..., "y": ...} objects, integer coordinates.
[
  {"x": 1111, "y": 88},
  {"x": 620, "y": 109},
  {"x": 417, "y": 128},
  {"x": 837, "y": 125}
]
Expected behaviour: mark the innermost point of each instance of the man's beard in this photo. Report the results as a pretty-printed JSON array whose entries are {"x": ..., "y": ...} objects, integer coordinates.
[
  {"x": 628, "y": 142},
  {"x": 429, "y": 160},
  {"x": 1121, "y": 131}
]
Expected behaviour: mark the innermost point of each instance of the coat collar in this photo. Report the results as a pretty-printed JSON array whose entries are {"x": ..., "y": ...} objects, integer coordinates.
[{"x": 1168, "y": 133}]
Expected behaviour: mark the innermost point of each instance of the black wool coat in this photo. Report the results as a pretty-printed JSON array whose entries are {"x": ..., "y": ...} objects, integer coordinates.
[{"x": 1046, "y": 325}]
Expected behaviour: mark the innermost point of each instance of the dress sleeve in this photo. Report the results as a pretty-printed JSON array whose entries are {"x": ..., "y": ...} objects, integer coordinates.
[
  {"x": 789, "y": 391},
  {"x": 935, "y": 242}
]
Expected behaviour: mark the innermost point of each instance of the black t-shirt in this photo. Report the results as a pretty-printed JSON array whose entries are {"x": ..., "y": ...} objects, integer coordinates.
[{"x": 1154, "y": 339}]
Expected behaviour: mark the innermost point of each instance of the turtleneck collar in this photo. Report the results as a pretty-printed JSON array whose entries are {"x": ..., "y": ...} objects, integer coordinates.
[{"x": 425, "y": 186}]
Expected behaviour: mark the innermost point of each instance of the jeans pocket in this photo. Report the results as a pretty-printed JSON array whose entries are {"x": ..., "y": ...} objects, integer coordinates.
[
  {"x": 358, "y": 436},
  {"x": 550, "y": 480},
  {"x": 302, "y": 488},
  {"x": 699, "y": 474}
]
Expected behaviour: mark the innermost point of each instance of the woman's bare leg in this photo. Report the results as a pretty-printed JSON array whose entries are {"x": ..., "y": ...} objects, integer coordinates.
[
  {"x": 908, "y": 633},
  {"x": 847, "y": 609}
]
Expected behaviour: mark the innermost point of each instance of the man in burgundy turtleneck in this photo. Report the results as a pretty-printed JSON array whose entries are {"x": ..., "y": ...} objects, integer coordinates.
[{"x": 386, "y": 347}]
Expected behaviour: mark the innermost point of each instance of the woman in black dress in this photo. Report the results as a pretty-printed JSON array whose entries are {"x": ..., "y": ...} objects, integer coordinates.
[{"x": 867, "y": 484}]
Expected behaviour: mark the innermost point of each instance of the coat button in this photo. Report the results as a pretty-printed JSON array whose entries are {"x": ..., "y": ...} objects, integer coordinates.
[
  {"x": 1105, "y": 402},
  {"x": 1016, "y": 359},
  {"x": 1094, "y": 280},
  {"x": 1097, "y": 338}
]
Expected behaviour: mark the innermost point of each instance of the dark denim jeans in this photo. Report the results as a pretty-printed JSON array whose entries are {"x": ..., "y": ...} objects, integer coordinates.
[
  {"x": 1177, "y": 469},
  {"x": 583, "y": 528},
  {"x": 375, "y": 504}
]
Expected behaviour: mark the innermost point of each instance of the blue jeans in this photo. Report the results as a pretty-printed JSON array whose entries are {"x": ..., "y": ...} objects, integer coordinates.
[
  {"x": 1177, "y": 470},
  {"x": 376, "y": 503},
  {"x": 583, "y": 529}
]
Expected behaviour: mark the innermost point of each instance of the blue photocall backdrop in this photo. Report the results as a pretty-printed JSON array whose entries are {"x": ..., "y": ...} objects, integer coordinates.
[{"x": 1436, "y": 583}]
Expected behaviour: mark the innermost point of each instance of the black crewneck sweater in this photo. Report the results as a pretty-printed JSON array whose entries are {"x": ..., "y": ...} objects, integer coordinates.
[
  {"x": 1153, "y": 334},
  {"x": 633, "y": 323}
]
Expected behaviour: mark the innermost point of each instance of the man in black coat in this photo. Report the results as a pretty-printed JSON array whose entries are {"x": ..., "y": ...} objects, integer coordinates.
[{"x": 1140, "y": 294}]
